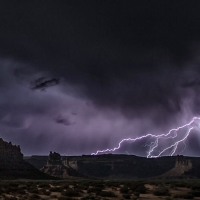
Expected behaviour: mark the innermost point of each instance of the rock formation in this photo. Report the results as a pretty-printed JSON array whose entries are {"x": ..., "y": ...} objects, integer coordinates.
[
  {"x": 12, "y": 164},
  {"x": 57, "y": 166},
  {"x": 182, "y": 166},
  {"x": 9, "y": 152},
  {"x": 113, "y": 166},
  {"x": 109, "y": 166}
]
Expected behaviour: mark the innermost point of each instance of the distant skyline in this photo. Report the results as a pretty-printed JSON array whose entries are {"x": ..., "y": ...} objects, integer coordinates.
[{"x": 78, "y": 76}]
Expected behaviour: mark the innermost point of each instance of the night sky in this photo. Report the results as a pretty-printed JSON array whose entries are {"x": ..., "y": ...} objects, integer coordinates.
[{"x": 77, "y": 76}]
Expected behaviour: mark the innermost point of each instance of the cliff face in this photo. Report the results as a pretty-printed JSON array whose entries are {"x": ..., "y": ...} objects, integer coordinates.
[
  {"x": 120, "y": 166},
  {"x": 9, "y": 152},
  {"x": 13, "y": 166},
  {"x": 182, "y": 166},
  {"x": 55, "y": 167},
  {"x": 194, "y": 165},
  {"x": 110, "y": 166},
  {"x": 126, "y": 166}
]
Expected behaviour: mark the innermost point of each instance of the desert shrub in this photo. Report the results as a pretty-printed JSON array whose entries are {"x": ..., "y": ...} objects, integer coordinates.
[
  {"x": 195, "y": 193},
  {"x": 1, "y": 191},
  {"x": 126, "y": 196},
  {"x": 13, "y": 184},
  {"x": 89, "y": 198},
  {"x": 85, "y": 183},
  {"x": 80, "y": 191},
  {"x": 112, "y": 184},
  {"x": 34, "y": 184},
  {"x": 34, "y": 196},
  {"x": 93, "y": 190},
  {"x": 188, "y": 196},
  {"x": 141, "y": 189},
  {"x": 184, "y": 196},
  {"x": 22, "y": 187},
  {"x": 172, "y": 186},
  {"x": 71, "y": 193},
  {"x": 55, "y": 183},
  {"x": 106, "y": 194},
  {"x": 155, "y": 182},
  {"x": 188, "y": 184},
  {"x": 29, "y": 184},
  {"x": 138, "y": 188},
  {"x": 44, "y": 185},
  {"x": 195, "y": 186},
  {"x": 99, "y": 185},
  {"x": 64, "y": 186},
  {"x": 137, "y": 194},
  {"x": 47, "y": 193},
  {"x": 82, "y": 187},
  {"x": 124, "y": 190},
  {"x": 21, "y": 192},
  {"x": 10, "y": 198},
  {"x": 180, "y": 184},
  {"x": 15, "y": 189},
  {"x": 34, "y": 190},
  {"x": 41, "y": 191},
  {"x": 161, "y": 191},
  {"x": 53, "y": 196},
  {"x": 57, "y": 189},
  {"x": 7, "y": 190},
  {"x": 64, "y": 198}
]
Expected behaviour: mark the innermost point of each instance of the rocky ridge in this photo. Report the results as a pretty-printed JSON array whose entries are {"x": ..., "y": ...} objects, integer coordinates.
[
  {"x": 55, "y": 167},
  {"x": 182, "y": 166},
  {"x": 113, "y": 166},
  {"x": 13, "y": 165}
]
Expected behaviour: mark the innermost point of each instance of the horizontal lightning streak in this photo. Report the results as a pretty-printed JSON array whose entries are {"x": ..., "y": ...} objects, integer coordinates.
[
  {"x": 155, "y": 144},
  {"x": 174, "y": 145}
]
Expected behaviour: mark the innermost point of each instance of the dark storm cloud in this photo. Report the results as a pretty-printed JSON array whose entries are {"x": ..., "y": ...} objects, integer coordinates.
[
  {"x": 122, "y": 61},
  {"x": 118, "y": 53},
  {"x": 42, "y": 83},
  {"x": 46, "y": 119},
  {"x": 191, "y": 83},
  {"x": 64, "y": 120}
]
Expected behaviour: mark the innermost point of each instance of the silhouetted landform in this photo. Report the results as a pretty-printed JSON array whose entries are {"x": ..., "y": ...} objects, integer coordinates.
[
  {"x": 182, "y": 166},
  {"x": 13, "y": 166},
  {"x": 113, "y": 166},
  {"x": 54, "y": 159},
  {"x": 56, "y": 167}
]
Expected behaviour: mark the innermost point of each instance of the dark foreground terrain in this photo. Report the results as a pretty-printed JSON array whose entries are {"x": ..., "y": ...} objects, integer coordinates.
[{"x": 96, "y": 189}]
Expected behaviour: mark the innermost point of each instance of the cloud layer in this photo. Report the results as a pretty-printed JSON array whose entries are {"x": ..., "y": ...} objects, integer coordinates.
[{"x": 99, "y": 72}]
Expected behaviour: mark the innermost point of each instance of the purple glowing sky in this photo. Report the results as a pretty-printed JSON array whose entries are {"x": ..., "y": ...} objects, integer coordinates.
[{"x": 123, "y": 71}]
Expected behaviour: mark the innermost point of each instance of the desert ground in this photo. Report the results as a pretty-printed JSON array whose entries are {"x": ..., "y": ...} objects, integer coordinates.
[{"x": 99, "y": 189}]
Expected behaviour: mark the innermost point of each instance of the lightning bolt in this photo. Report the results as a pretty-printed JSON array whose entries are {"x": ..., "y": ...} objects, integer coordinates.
[
  {"x": 184, "y": 147},
  {"x": 155, "y": 144}
]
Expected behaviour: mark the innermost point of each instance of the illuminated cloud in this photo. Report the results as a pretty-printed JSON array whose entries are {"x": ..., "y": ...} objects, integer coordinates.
[{"x": 76, "y": 77}]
